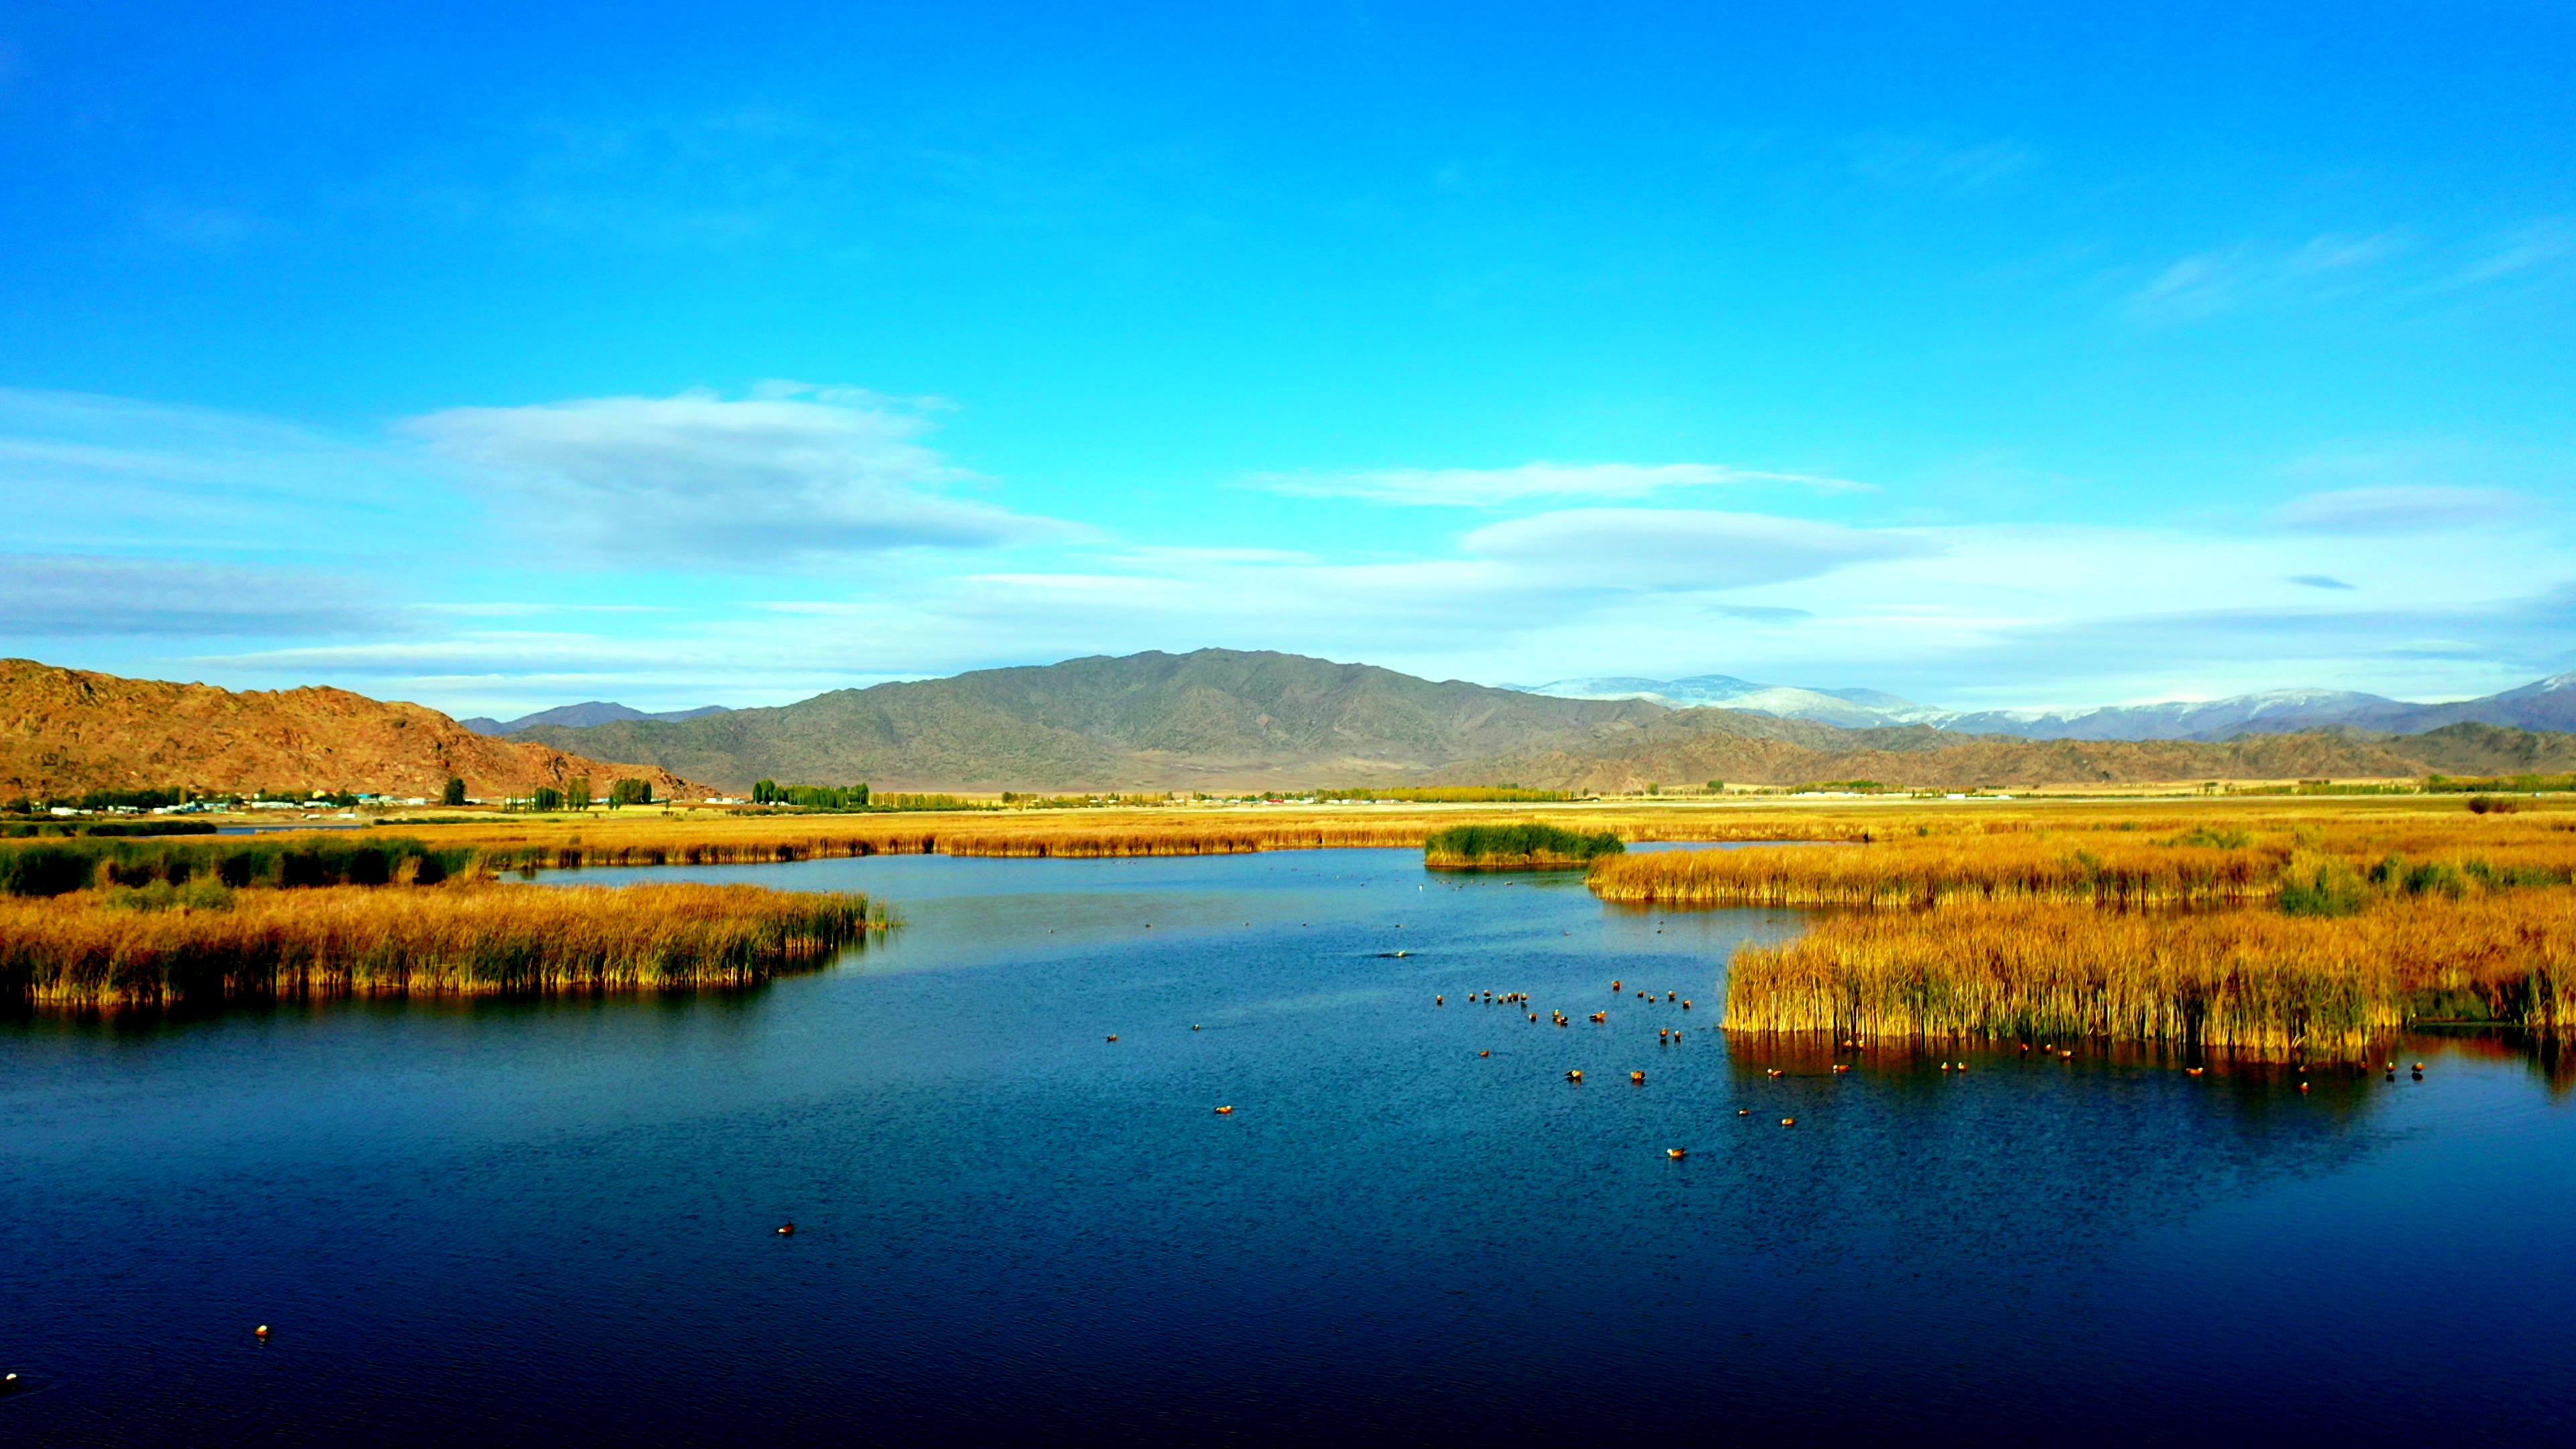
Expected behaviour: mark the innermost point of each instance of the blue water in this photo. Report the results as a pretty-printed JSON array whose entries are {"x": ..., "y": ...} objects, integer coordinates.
[{"x": 555, "y": 1223}]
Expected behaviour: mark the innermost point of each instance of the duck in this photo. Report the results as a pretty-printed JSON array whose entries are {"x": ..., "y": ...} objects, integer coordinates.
[
  {"x": 2194, "y": 1071},
  {"x": 1601, "y": 1016},
  {"x": 1672, "y": 995},
  {"x": 1440, "y": 1001},
  {"x": 786, "y": 1230},
  {"x": 1840, "y": 1067},
  {"x": 1961, "y": 1067},
  {"x": 1743, "y": 1111},
  {"x": 2303, "y": 1086},
  {"x": 1113, "y": 1036},
  {"x": 1485, "y": 1053},
  {"x": 1194, "y": 1026},
  {"x": 1788, "y": 1121},
  {"x": 1225, "y": 1111},
  {"x": 1636, "y": 1079},
  {"x": 1574, "y": 1076},
  {"x": 1675, "y": 1153},
  {"x": 1775, "y": 1071},
  {"x": 1685, "y": 1006},
  {"x": 1614, "y": 985},
  {"x": 259, "y": 1332}
]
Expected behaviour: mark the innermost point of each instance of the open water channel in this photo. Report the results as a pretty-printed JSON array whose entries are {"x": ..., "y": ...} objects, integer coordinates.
[{"x": 556, "y": 1222}]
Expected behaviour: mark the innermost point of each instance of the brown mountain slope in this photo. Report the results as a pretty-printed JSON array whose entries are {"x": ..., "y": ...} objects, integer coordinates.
[
  {"x": 1211, "y": 719},
  {"x": 1699, "y": 745},
  {"x": 63, "y": 731},
  {"x": 2483, "y": 749}
]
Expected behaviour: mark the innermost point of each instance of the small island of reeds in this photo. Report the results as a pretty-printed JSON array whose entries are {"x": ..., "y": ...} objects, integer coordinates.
[
  {"x": 2297, "y": 938},
  {"x": 1527, "y": 846},
  {"x": 206, "y": 943}
]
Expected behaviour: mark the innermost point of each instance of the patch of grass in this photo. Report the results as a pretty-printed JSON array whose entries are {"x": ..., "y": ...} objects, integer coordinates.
[{"x": 1530, "y": 845}]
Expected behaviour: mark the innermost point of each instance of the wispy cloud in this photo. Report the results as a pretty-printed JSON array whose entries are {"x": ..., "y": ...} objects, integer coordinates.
[
  {"x": 1915, "y": 162},
  {"x": 2320, "y": 581},
  {"x": 1532, "y": 482},
  {"x": 46, "y": 596},
  {"x": 2400, "y": 509},
  {"x": 791, "y": 473},
  {"x": 2517, "y": 252},
  {"x": 1681, "y": 549},
  {"x": 88, "y": 473},
  {"x": 2207, "y": 284}
]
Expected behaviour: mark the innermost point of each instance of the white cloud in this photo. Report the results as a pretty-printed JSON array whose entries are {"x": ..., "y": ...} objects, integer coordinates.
[
  {"x": 2401, "y": 509},
  {"x": 791, "y": 472},
  {"x": 1539, "y": 481}
]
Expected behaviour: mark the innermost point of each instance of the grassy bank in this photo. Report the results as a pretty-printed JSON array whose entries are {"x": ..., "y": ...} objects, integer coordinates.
[
  {"x": 2252, "y": 981},
  {"x": 1527, "y": 845},
  {"x": 206, "y": 943}
]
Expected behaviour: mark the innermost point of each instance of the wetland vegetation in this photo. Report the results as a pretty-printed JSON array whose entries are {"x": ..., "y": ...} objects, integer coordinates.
[
  {"x": 1528, "y": 845},
  {"x": 205, "y": 943}
]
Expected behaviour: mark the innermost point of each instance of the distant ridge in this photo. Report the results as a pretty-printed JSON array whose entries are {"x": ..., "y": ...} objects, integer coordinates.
[
  {"x": 1223, "y": 719},
  {"x": 578, "y": 716},
  {"x": 1217, "y": 718},
  {"x": 2546, "y": 704}
]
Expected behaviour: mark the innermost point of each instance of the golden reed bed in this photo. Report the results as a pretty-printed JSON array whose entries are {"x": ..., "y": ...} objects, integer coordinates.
[
  {"x": 681, "y": 840},
  {"x": 705, "y": 837},
  {"x": 2119, "y": 862},
  {"x": 134, "y": 948},
  {"x": 2255, "y": 982}
]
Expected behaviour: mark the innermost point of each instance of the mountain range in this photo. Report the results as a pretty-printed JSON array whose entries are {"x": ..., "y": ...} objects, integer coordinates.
[
  {"x": 1221, "y": 719},
  {"x": 1215, "y": 720},
  {"x": 2545, "y": 704},
  {"x": 588, "y": 712}
]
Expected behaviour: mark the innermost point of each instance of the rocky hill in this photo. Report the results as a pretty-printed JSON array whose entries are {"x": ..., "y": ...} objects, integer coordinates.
[{"x": 63, "y": 731}]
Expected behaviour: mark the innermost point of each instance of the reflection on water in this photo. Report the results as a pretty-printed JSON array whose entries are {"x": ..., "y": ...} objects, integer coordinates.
[{"x": 496, "y": 1222}]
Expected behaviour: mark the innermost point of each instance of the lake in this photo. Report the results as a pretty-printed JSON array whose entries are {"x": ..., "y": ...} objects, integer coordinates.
[{"x": 502, "y": 1223}]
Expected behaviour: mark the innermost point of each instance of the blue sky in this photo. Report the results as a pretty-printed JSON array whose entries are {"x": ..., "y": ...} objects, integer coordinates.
[{"x": 1992, "y": 355}]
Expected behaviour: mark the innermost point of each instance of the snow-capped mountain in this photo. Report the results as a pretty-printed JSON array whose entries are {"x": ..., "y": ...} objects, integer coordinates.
[
  {"x": 2545, "y": 704},
  {"x": 1851, "y": 708}
]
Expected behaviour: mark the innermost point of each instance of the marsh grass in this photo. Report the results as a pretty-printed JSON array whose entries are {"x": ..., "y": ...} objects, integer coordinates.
[
  {"x": 53, "y": 867},
  {"x": 2325, "y": 867},
  {"x": 1945, "y": 871},
  {"x": 1528, "y": 845},
  {"x": 203, "y": 943},
  {"x": 2255, "y": 982}
]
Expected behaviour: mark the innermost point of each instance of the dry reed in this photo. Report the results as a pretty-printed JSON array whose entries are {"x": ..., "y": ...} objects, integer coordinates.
[
  {"x": 2255, "y": 982},
  {"x": 115, "y": 948},
  {"x": 1944, "y": 870}
]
